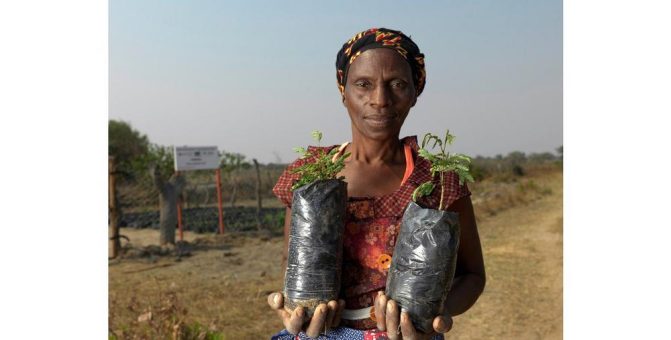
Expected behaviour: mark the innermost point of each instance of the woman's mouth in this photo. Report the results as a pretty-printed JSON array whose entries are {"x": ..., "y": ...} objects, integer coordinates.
[{"x": 380, "y": 120}]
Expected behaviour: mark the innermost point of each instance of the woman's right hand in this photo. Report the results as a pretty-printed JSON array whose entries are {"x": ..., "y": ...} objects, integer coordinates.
[
  {"x": 325, "y": 316},
  {"x": 398, "y": 324}
]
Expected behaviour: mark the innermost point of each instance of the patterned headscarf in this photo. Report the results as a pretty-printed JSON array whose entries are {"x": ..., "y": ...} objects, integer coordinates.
[{"x": 381, "y": 38}]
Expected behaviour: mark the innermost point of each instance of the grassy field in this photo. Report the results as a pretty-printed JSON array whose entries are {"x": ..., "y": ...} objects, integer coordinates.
[{"x": 219, "y": 290}]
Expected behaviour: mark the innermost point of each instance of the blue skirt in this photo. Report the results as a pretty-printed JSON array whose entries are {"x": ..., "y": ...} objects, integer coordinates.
[{"x": 343, "y": 333}]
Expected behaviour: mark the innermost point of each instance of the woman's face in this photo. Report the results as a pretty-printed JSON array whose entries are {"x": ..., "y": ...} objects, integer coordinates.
[{"x": 379, "y": 93}]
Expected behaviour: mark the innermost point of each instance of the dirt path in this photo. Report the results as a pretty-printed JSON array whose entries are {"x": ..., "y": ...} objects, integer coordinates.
[{"x": 523, "y": 257}]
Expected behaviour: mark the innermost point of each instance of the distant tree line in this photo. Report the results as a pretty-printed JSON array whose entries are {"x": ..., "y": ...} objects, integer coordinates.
[{"x": 515, "y": 163}]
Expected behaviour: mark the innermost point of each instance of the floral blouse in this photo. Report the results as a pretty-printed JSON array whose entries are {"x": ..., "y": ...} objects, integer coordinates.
[{"x": 372, "y": 225}]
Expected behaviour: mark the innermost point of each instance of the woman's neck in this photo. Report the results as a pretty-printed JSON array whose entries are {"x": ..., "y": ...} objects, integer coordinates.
[{"x": 371, "y": 151}]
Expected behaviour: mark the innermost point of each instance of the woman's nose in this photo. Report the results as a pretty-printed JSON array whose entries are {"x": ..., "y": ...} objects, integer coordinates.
[{"x": 381, "y": 96}]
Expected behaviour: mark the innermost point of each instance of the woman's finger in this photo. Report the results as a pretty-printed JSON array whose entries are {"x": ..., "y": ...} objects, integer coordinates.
[
  {"x": 336, "y": 318},
  {"x": 295, "y": 322},
  {"x": 332, "y": 310},
  {"x": 442, "y": 324},
  {"x": 407, "y": 329},
  {"x": 317, "y": 322},
  {"x": 275, "y": 300},
  {"x": 284, "y": 316},
  {"x": 392, "y": 320},
  {"x": 380, "y": 307}
]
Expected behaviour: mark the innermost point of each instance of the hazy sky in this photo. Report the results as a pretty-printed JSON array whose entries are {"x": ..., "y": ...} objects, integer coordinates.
[{"x": 256, "y": 77}]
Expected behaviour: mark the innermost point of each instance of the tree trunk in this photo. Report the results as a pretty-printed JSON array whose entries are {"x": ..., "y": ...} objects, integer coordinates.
[
  {"x": 234, "y": 192},
  {"x": 258, "y": 195},
  {"x": 114, "y": 241},
  {"x": 169, "y": 191},
  {"x": 168, "y": 220}
]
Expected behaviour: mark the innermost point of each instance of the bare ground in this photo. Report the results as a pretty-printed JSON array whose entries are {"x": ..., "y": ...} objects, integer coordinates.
[
  {"x": 222, "y": 286},
  {"x": 523, "y": 258}
]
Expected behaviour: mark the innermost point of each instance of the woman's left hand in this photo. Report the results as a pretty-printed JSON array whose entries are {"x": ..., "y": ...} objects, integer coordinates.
[{"x": 389, "y": 317}]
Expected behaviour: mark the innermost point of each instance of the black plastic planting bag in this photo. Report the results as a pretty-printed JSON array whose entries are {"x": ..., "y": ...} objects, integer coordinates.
[
  {"x": 423, "y": 263},
  {"x": 315, "y": 244}
]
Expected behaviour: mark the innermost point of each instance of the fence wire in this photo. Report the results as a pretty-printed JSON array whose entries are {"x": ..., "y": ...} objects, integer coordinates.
[{"x": 138, "y": 201}]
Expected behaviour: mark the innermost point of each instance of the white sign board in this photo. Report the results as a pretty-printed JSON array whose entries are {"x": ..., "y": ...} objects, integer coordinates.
[{"x": 196, "y": 158}]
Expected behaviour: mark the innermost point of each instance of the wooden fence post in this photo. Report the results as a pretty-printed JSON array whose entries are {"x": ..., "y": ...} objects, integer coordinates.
[
  {"x": 220, "y": 208},
  {"x": 114, "y": 241},
  {"x": 258, "y": 195}
]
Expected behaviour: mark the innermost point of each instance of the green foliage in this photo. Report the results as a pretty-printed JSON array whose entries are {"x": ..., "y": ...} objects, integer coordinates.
[
  {"x": 541, "y": 157},
  {"x": 423, "y": 190},
  {"x": 161, "y": 157},
  {"x": 233, "y": 161},
  {"x": 126, "y": 145},
  {"x": 478, "y": 171},
  {"x": 441, "y": 163},
  {"x": 317, "y": 135},
  {"x": 135, "y": 155},
  {"x": 322, "y": 168},
  {"x": 516, "y": 158},
  {"x": 275, "y": 222},
  {"x": 198, "y": 331}
]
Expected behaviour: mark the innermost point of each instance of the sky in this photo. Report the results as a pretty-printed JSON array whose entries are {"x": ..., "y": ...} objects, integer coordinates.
[{"x": 257, "y": 77}]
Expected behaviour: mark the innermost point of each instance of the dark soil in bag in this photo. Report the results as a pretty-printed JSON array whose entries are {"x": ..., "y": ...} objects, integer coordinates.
[
  {"x": 423, "y": 263},
  {"x": 315, "y": 244}
]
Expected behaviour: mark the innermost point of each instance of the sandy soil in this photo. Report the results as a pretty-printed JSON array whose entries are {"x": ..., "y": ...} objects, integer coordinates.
[{"x": 224, "y": 283}]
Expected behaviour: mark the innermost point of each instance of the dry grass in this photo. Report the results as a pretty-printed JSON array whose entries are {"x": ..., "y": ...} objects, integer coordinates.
[{"x": 219, "y": 291}]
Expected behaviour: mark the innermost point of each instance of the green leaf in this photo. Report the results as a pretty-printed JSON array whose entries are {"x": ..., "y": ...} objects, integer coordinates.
[
  {"x": 424, "y": 153},
  {"x": 449, "y": 138},
  {"x": 443, "y": 162},
  {"x": 301, "y": 151},
  {"x": 323, "y": 167},
  {"x": 423, "y": 190},
  {"x": 317, "y": 135}
]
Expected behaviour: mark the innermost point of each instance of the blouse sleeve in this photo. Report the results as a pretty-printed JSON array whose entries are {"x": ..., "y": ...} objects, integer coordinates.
[
  {"x": 453, "y": 190},
  {"x": 282, "y": 188}
]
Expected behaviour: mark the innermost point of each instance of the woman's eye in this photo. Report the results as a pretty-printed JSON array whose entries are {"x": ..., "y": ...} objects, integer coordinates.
[
  {"x": 361, "y": 84},
  {"x": 398, "y": 84}
]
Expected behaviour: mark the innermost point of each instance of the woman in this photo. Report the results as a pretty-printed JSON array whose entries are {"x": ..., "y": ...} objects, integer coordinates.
[{"x": 380, "y": 75}]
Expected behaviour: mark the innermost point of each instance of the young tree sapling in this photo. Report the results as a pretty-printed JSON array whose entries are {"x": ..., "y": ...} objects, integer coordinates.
[
  {"x": 317, "y": 227},
  {"x": 425, "y": 254}
]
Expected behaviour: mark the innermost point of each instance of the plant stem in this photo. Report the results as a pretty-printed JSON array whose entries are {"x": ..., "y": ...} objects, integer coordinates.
[{"x": 442, "y": 189}]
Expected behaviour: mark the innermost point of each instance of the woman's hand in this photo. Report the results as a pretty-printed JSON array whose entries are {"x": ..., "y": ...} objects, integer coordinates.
[
  {"x": 388, "y": 317},
  {"x": 325, "y": 317}
]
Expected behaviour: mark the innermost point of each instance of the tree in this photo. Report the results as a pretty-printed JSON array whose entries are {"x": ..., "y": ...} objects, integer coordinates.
[
  {"x": 127, "y": 145},
  {"x": 541, "y": 157},
  {"x": 231, "y": 163},
  {"x": 515, "y": 160},
  {"x": 516, "y": 157},
  {"x": 138, "y": 159},
  {"x": 159, "y": 161}
]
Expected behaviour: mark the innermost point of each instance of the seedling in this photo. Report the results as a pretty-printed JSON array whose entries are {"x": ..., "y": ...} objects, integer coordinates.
[
  {"x": 324, "y": 167},
  {"x": 318, "y": 209},
  {"x": 428, "y": 239},
  {"x": 441, "y": 163}
]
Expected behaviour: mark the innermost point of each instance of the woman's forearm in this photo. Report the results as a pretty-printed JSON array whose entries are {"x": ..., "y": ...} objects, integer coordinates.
[{"x": 465, "y": 291}]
